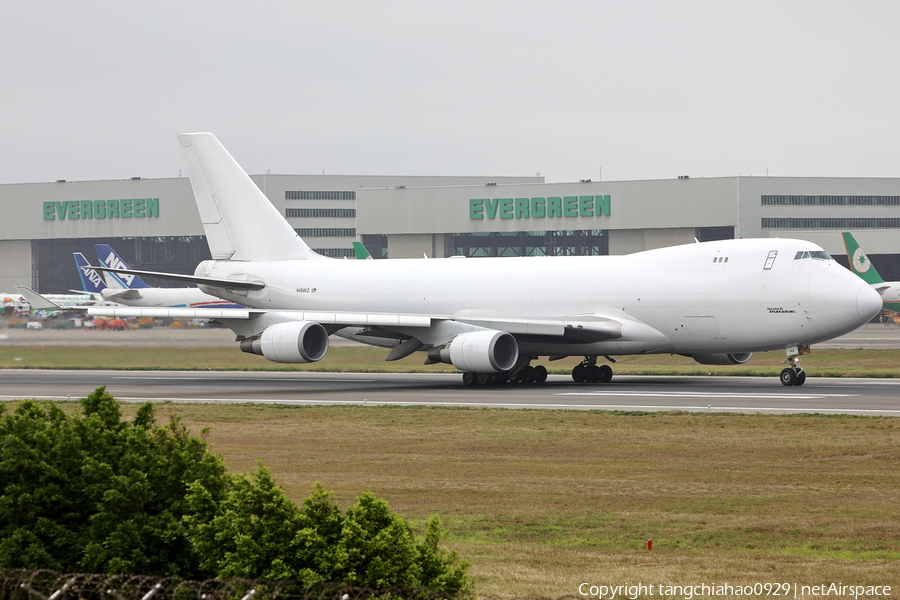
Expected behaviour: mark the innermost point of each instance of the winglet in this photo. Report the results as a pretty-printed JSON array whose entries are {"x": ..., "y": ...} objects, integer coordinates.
[
  {"x": 239, "y": 221},
  {"x": 859, "y": 262},
  {"x": 37, "y": 301}
]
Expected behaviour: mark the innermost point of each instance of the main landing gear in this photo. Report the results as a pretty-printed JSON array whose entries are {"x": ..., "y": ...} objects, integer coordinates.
[
  {"x": 589, "y": 372},
  {"x": 521, "y": 373},
  {"x": 794, "y": 373}
]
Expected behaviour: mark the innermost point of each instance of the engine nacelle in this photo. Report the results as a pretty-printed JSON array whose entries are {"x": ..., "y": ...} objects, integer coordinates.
[
  {"x": 737, "y": 358},
  {"x": 482, "y": 351},
  {"x": 291, "y": 342}
]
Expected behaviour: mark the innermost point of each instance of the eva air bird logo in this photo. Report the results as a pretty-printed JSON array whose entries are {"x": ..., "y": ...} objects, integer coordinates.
[{"x": 861, "y": 262}]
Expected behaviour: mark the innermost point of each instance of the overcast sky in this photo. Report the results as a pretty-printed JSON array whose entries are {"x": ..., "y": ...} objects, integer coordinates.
[{"x": 618, "y": 90}]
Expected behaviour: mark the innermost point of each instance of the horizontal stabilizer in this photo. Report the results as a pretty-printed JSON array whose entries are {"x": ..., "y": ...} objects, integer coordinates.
[
  {"x": 37, "y": 301},
  {"x": 228, "y": 284}
]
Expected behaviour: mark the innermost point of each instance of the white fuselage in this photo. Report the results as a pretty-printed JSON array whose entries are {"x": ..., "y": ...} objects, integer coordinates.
[{"x": 727, "y": 296}]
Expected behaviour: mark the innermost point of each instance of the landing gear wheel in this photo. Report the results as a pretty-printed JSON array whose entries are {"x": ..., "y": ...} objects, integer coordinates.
[
  {"x": 789, "y": 377},
  {"x": 540, "y": 374},
  {"x": 469, "y": 378},
  {"x": 483, "y": 378},
  {"x": 589, "y": 372},
  {"x": 606, "y": 373},
  {"x": 794, "y": 373},
  {"x": 578, "y": 374},
  {"x": 527, "y": 375}
]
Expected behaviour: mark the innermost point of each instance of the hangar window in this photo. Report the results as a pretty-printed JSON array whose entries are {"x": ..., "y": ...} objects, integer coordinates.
[
  {"x": 319, "y": 195},
  {"x": 830, "y": 223},
  {"x": 336, "y": 252},
  {"x": 306, "y": 213},
  {"x": 784, "y": 200},
  {"x": 326, "y": 232}
]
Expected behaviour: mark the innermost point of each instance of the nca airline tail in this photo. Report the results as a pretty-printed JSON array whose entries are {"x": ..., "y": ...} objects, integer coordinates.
[{"x": 716, "y": 302}]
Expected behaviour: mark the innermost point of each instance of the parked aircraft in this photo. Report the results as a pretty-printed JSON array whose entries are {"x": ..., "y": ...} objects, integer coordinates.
[
  {"x": 130, "y": 289},
  {"x": 716, "y": 302},
  {"x": 860, "y": 264}
]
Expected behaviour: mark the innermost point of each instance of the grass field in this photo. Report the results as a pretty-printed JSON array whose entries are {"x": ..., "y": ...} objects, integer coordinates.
[
  {"x": 542, "y": 501},
  {"x": 831, "y": 363}
]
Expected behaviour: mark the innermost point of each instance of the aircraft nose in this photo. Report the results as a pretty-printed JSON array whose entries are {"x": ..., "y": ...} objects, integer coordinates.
[{"x": 868, "y": 302}]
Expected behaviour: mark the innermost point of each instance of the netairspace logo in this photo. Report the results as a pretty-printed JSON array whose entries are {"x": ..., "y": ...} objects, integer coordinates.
[{"x": 773, "y": 590}]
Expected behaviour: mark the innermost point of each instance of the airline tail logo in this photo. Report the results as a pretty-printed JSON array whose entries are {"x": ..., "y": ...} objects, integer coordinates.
[
  {"x": 114, "y": 262},
  {"x": 93, "y": 276},
  {"x": 861, "y": 262}
]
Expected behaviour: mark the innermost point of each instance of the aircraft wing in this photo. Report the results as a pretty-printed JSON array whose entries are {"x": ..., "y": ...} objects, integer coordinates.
[
  {"x": 588, "y": 327},
  {"x": 584, "y": 327}
]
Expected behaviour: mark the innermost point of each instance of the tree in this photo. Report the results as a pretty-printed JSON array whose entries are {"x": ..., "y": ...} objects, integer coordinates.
[
  {"x": 94, "y": 493},
  {"x": 97, "y": 494},
  {"x": 256, "y": 531}
]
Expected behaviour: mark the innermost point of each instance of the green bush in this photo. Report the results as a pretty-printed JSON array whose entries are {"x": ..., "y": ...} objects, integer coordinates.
[{"x": 93, "y": 493}]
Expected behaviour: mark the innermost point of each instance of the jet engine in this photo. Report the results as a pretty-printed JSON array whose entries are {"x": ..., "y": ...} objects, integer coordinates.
[
  {"x": 486, "y": 351},
  {"x": 291, "y": 342},
  {"x": 736, "y": 358}
]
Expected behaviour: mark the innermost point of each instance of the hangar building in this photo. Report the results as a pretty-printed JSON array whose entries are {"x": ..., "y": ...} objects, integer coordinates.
[{"x": 154, "y": 225}]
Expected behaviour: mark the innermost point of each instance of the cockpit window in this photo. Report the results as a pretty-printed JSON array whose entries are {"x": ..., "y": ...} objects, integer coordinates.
[{"x": 817, "y": 254}]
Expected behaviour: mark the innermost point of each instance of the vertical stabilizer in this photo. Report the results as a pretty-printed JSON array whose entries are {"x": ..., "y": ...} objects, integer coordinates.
[
  {"x": 110, "y": 258},
  {"x": 859, "y": 262},
  {"x": 239, "y": 221},
  {"x": 91, "y": 282}
]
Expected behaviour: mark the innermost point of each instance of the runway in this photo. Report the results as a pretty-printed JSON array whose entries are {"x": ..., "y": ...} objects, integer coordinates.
[{"x": 629, "y": 393}]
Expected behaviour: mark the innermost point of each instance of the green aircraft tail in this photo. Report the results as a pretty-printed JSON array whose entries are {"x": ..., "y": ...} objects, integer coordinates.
[
  {"x": 859, "y": 262},
  {"x": 361, "y": 252}
]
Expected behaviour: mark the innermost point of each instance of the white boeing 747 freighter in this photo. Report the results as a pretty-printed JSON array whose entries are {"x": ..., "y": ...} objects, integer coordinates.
[{"x": 716, "y": 302}]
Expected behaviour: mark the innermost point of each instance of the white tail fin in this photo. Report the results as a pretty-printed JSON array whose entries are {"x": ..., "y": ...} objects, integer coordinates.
[{"x": 239, "y": 221}]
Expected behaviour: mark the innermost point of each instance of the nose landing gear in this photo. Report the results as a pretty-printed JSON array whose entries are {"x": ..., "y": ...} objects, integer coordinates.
[{"x": 794, "y": 373}]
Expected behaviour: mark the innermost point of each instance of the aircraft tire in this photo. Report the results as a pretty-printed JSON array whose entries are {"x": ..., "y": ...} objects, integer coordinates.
[
  {"x": 483, "y": 378},
  {"x": 801, "y": 378},
  {"x": 578, "y": 374},
  {"x": 527, "y": 375},
  {"x": 540, "y": 374},
  {"x": 788, "y": 377},
  {"x": 606, "y": 373},
  {"x": 470, "y": 378}
]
